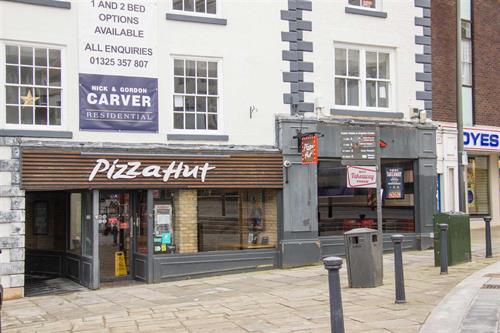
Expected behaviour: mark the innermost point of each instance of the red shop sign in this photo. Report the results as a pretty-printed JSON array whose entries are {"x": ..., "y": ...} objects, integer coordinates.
[{"x": 309, "y": 146}]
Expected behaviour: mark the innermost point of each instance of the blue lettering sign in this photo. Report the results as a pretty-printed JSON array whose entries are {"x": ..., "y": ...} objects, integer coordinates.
[{"x": 481, "y": 139}]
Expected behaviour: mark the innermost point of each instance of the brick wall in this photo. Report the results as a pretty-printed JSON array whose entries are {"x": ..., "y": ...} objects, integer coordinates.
[
  {"x": 12, "y": 227},
  {"x": 443, "y": 60},
  {"x": 186, "y": 221},
  {"x": 486, "y": 50},
  {"x": 486, "y": 43}
]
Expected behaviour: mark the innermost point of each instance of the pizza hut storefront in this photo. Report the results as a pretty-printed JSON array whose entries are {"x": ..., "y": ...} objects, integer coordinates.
[{"x": 102, "y": 216}]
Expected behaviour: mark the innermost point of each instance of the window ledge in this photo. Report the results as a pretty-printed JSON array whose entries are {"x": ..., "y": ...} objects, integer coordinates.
[
  {"x": 366, "y": 12},
  {"x": 198, "y": 137},
  {"x": 36, "y": 133},
  {"x": 46, "y": 3},
  {"x": 356, "y": 113},
  {"x": 196, "y": 19}
]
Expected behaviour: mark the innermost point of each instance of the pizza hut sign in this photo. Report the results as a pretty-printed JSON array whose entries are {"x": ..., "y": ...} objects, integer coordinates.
[{"x": 361, "y": 177}]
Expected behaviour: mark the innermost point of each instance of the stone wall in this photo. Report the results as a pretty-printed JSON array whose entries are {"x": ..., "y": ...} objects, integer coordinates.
[
  {"x": 12, "y": 218},
  {"x": 186, "y": 221}
]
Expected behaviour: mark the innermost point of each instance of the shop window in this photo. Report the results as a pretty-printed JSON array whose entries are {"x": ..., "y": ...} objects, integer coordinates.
[
  {"x": 477, "y": 185},
  {"x": 341, "y": 209},
  {"x": 236, "y": 220},
  {"x": 33, "y": 86},
  {"x": 196, "y": 95}
]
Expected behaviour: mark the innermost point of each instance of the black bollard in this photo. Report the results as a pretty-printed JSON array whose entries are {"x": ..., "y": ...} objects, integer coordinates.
[
  {"x": 444, "y": 248},
  {"x": 333, "y": 265},
  {"x": 487, "y": 229},
  {"x": 397, "y": 241}
]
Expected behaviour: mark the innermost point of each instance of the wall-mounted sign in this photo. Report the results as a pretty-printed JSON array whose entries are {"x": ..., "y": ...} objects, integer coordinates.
[
  {"x": 117, "y": 65},
  {"x": 394, "y": 183},
  {"x": 309, "y": 148},
  {"x": 362, "y": 177},
  {"x": 57, "y": 169},
  {"x": 482, "y": 140},
  {"x": 358, "y": 144}
]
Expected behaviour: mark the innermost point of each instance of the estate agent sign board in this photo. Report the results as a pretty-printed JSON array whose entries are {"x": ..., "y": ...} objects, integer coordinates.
[{"x": 117, "y": 65}]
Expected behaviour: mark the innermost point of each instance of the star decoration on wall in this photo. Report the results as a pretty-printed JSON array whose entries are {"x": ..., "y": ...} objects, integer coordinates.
[{"x": 29, "y": 99}]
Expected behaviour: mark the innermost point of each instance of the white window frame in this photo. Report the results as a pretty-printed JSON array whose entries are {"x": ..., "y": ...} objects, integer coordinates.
[
  {"x": 218, "y": 10},
  {"x": 3, "y": 97},
  {"x": 362, "y": 72},
  {"x": 220, "y": 104},
  {"x": 467, "y": 40},
  {"x": 378, "y": 5}
]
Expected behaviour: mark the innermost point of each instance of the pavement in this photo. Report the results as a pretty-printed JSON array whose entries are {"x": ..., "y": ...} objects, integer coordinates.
[{"x": 291, "y": 300}]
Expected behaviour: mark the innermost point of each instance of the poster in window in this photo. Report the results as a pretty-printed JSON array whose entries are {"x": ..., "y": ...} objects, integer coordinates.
[
  {"x": 394, "y": 183},
  {"x": 41, "y": 218}
]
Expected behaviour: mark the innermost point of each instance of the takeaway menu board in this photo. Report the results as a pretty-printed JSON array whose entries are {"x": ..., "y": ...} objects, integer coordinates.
[
  {"x": 394, "y": 183},
  {"x": 117, "y": 65}
]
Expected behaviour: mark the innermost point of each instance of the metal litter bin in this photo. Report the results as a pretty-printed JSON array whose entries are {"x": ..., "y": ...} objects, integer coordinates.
[
  {"x": 459, "y": 245},
  {"x": 364, "y": 259}
]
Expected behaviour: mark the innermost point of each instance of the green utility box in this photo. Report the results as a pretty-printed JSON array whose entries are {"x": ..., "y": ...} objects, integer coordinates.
[{"x": 459, "y": 249}]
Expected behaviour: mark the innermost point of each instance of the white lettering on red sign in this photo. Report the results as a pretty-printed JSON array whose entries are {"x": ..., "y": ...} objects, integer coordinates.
[{"x": 361, "y": 176}]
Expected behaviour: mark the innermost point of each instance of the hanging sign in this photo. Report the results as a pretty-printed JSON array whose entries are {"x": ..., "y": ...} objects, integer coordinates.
[
  {"x": 117, "y": 65},
  {"x": 309, "y": 147},
  {"x": 361, "y": 177},
  {"x": 394, "y": 183}
]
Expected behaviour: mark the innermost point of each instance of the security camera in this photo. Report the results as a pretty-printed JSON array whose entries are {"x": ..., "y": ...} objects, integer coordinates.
[{"x": 287, "y": 164}]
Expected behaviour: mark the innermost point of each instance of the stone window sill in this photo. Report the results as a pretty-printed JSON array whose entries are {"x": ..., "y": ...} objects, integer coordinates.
[
  {"x": 197, "y": 137},
  {"x": 46, "y": 3},
  {"x": 196, "y": 19},
  {"x": 36, "y": 133}
]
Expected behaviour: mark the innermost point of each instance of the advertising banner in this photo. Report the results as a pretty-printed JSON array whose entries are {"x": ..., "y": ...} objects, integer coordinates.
[
  {"x": 361, "y": 177},
  {"x": 117, "y": 65},
  {"x": 394, "y": 183},
  {"x": 309, "y": 149}
]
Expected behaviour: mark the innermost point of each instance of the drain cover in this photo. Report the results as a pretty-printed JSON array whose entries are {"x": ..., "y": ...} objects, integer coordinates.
[{"x": 490, "y": 286}]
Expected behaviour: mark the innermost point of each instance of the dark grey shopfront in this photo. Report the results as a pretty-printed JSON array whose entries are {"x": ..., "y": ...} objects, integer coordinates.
[{"x": 318, "y": 206}]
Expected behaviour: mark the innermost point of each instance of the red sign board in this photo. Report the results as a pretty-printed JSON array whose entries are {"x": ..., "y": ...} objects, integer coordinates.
[{"x": 309, "y": 149}]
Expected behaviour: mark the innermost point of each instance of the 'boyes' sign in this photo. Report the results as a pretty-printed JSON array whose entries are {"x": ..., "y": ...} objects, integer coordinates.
[{"x": 481, "y": 140}]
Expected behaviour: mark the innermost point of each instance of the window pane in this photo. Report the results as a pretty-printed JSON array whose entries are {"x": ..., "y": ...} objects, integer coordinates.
[
  {"x": 340, "y": 91},
  {"x": 179, "y": 67},
  {"x": 383, "y": 94},
  {"x": 190, "y": 68},
  {"x": 200, "y": 6},
  {"x": 190, "y": 121},
  {"x": 211, "y": 6},
  {"x": 55, "y": 77},
  {"x": 177, "y": 4},
  {"x": 355, "y": 2},
  {"x": 201, "y": 121},
  {"x": 371, "y": 65},
  {"x": 202, "y": 86},
  {"x": 12, "y": 54},
  {"x": 55, "y": 58},
  {"x": 27, "y": 115},
  {"x": 212, "y": 87},
  {"x": 54, "y": 116},
  {"x": 353, "y": 92},
  {"x": 12, "y": 94},
  {"x": 383, "y": 66},
  {"x": 41, "y": 57},
  {"x": 55, "y": 97},
  {"x": 189, "y": 5},
  {"x": 12, "y": 75},
  {"x": 212, "y": 69},
  {"x": 340, "y": 62},
  {"x": 369, "y": 3},
  {"x": 371, "y": 93},
  {"x": 41, "y": 76},
  {"x": 353, "y": 63},
  {"x": 212, "y": 121},
  {"x": 201, "y": 68},
  {"x": 26, "y": 56},
  {"x": 41, "y": 116},
  {"x": 190, "y": 103},
  {"x": 212, "y": 104},
  {"x": 190, "y": 86},
  {"x": 179, "y": 85},
  {"x": 178, "y": 103},
  {"x": 201, "y": 104},
  {"x": 12, "y": 115},
  {"x": 41, "y": 97},
  {"x": 25, "y": 96},
  {"x": 26, "y": 75},
  {"x": 178, "y": 121}
]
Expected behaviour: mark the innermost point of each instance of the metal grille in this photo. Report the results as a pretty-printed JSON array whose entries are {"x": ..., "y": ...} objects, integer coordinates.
[{"x": 490, "y": 286}]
